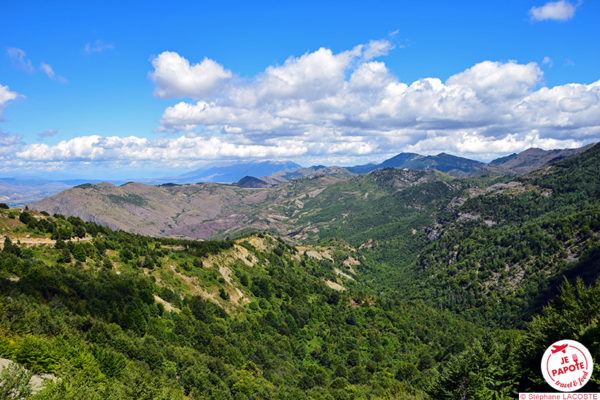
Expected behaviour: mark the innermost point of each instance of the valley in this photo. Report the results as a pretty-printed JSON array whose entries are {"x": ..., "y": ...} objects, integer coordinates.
[{"x": 379, "y": 285}]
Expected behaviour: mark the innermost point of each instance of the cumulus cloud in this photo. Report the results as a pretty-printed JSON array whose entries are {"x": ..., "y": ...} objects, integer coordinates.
[
  {"x": 173, "y": 76},
  {"x": 324, "y": 99},
  {"x": 19, "y": 59},
  {"x": 561, "y": 10},
  {"x": 346, "y": 107},
  {"x": 170, "y": 150},
  {"x": 97, "y": 47}
]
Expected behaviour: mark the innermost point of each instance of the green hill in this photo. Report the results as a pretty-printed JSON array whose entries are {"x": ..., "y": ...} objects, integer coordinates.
[
  {"x": 392, "y": 285},
  {"x": 118, "y": 315}
]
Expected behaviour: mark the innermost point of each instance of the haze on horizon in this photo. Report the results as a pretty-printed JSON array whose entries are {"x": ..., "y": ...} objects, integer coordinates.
[{"x": 146, "y": 89}]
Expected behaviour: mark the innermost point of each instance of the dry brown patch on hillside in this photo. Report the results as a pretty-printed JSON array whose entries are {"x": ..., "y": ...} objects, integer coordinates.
[
  {"x": 335, "y": 286},
  {"x": 168, "y": 306}
]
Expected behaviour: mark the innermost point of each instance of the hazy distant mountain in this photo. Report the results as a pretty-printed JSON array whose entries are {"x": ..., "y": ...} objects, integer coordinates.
[
  {"x": 234, "y": 172},
  {"x": 21, "y": 191},
  {"x": 315, "y": 170},
  {"x": 398, "y": 161},
  {"x": 453, "y": 165},
  {"x": 17, "y": 192},
  {"x": 532, "y": 159},
  {"x": 521, "y": 163}
]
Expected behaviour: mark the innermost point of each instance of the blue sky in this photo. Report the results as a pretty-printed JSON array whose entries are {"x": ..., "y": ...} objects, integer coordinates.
[{"x": 147, "y": 88}]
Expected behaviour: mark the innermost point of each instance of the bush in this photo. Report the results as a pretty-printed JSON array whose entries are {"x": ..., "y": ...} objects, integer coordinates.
[{"x": 14, "y": 382}]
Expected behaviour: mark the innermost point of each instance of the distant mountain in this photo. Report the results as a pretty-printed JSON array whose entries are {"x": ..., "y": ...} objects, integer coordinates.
[
  {"x": 25, "y": 190},
  {"x": 17, "y": 192},
  {"x": 315, "y": 170},
  {"x": 519, "y": 164},
  {"x": 207, "y": 210},
  {"x": 398, "y": 161},
  {"x": 453, "y": 165},
  {"x": 251, "y": 182},
  {"x": 234, "y": 172},
  {"x": 532, "y": 159}
]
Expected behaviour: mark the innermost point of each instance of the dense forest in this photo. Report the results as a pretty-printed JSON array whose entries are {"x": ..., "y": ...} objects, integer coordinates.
[{"x": 445, "y": 289}]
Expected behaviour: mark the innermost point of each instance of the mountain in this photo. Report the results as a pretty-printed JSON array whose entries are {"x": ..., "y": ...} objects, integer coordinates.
[
  {"x": 457, "y": 166},
  {"x": 206, "y": 210},
  {"x": 393, "y": 284},
  {"x": 519, "y": 164},
  {"x": 532, "y": 159},
  {"x": 22, "y": 191},
  {"x": 315, "y": 170},
  {"x": 251, "y": 182},
  {"x": 196, "y": 211},
  {"x": 398, "y": 161},
  {"x": 233, "y": 172},
  {"x": 18, "y": 192}
]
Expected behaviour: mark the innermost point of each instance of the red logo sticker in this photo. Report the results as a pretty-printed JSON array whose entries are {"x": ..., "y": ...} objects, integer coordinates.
[{"x": 567, "y": 365}]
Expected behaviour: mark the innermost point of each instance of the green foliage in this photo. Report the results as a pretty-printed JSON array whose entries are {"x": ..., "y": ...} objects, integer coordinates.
[
  {"x": 14, "y": 382},
  {"x": 442, "y": 305}
]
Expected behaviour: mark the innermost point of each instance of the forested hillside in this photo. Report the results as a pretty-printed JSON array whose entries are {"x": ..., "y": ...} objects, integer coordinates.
[
  {"x": 503, "y": 253},
  {"x": 116, "y": 315},
  {"x": 393, "y": 285}
]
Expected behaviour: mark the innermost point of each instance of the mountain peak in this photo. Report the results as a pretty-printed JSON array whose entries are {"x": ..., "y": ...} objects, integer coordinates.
[{"x": 251, "y": 182}]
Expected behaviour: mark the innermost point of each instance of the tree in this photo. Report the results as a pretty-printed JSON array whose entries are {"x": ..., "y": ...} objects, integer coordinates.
[
  {"x": 223, "y": 294},
  {"x": 79, "y": 252},
  {"x": 65, "y": 256},
  {"x": 79, "y": 231},
  {"x": 14, "y": 382},
  {"x": 11, "y": 248}
]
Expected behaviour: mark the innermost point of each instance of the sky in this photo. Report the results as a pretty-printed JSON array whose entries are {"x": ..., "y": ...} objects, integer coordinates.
[{"x": 106, "y": 89}]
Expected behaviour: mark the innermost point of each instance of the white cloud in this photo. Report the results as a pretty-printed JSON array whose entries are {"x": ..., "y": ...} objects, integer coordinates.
[
  {"x": 47, "y": 69},
  {"x": 97, "y": 47},
  {"x": 9, "y": 145},
  {"x": 175, "y": 77},
  {"x": 327, "y": 107},
  {"x": 548, "y": 61},
  {"x": 19, "y": 59},
  {"x": 5, "y": 96},
  {"x": 561, "y": 10},
  {"x": 326, "y": 100},
  {"x": 499, "y": 81},
  {"x": 377, "y": 48},
  {"x": 169, "y": 150}
]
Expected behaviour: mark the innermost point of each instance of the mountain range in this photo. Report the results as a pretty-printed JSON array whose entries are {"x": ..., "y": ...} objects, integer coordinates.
[
  {"x": 278, "y": 202},
  {"x": 22, "y": 191},
  {"x": 310, "y": 288}
]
